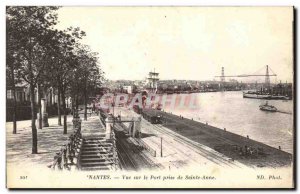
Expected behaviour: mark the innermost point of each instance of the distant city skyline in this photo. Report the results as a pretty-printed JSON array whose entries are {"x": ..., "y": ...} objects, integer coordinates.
[{"x": 187, "y": 43}]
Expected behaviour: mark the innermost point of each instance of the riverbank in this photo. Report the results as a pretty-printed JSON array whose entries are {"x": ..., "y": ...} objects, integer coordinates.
[
  {"x": 243, "y": 117},
  {"x": 242, "y": 149}
]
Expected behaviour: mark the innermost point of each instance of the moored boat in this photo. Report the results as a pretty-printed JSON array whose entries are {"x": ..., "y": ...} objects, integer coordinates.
[
  {"x": 260, "y": 95},
  {"x": 256, "y": 95}
]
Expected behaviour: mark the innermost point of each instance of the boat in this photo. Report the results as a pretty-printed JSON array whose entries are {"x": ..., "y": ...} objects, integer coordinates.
[
  {"x": 266, "y": 96},
  {"x": 280, "y": 97},
  {"x": 267, "y": 107},
  {"x": 256, "y": 95}
]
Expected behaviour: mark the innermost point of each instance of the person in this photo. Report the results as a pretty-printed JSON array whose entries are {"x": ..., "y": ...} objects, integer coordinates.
[
  {"x": 246, "y": 150},
  {"x": 93, "y": 109},
  {"x": 241, "y": 151},
  {"x": 251, "y": 150}
]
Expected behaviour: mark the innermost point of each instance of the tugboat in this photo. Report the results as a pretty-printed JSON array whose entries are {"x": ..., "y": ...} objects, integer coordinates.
[{"x": 267, "y": 107}]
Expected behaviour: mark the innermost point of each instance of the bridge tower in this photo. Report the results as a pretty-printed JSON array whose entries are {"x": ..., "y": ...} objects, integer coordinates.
[
  {"x": 267, "y": 79},
  {"x": 222, "y": 76}
]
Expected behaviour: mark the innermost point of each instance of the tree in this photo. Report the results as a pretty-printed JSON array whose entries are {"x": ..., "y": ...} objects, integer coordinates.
[
  {"x": 12, "y": 70},
  {"x": 30, "y": 26},
  {"x": 34, "y": 45},
  {"x": 62, "y": 69},
  {"x": 88, "y": 73}
]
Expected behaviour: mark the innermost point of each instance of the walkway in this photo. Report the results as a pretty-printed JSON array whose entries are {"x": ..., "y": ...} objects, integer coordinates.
[
  {"x": 50, "y": 141},
  {"x": 92, "y": 127}
]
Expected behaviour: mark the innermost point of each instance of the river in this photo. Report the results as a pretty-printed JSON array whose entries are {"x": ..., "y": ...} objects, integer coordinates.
[{"x": 242, "y": 116}]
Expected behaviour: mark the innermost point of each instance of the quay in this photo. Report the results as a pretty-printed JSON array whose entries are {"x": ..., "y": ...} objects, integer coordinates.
[
  {"x": 243, "y": 149},
  {"x": 162, "y": 148}
]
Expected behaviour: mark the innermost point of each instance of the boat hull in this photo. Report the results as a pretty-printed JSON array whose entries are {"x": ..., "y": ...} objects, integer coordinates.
[
  {"x": 268, "y": 109},
  {"x": 256, "y": 96},
  {"x": 265, "y": 96}
]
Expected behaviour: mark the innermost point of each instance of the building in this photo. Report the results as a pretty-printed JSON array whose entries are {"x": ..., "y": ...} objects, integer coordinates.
[
  {"x": 21, "y": 93},
  {"x": 152, "y": 81},
  {"x": 128, "y": 89}
]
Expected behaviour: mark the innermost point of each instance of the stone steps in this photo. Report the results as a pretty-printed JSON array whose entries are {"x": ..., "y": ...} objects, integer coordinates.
[
  {"x": 96, "y": 154},
  {"x": 104, "y": 155},
  {"x": 101, "y": 160},
  {"x": 96, "y": 140},
  {"x": 95, "y": 145},
  {"x": 96, "y": 164},
  {"x": 94, "y": 168}
]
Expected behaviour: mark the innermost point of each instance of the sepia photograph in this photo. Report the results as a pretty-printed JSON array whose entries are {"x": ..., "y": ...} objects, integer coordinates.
[{"x": 150, "y": 97}]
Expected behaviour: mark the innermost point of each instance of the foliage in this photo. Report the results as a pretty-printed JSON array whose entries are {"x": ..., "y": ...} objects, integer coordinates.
[{"x": 37, "y": 53}]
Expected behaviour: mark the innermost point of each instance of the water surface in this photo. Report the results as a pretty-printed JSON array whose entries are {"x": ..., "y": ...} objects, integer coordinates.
[{"x": 242, "y": 116}]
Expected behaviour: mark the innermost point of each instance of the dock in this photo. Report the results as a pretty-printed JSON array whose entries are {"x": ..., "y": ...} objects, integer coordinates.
[{"x": 242, "y": 149}]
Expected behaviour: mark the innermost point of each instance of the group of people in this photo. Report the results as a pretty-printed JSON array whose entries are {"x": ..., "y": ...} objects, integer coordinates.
[{"x": 249, "y": 151}]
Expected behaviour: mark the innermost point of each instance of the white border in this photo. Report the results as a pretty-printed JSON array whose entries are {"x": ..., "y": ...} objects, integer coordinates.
[{"x": 3, "y": 3}]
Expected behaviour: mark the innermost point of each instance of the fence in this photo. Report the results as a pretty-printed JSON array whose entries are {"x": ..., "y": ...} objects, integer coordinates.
[{"x": 69, "y": 155}]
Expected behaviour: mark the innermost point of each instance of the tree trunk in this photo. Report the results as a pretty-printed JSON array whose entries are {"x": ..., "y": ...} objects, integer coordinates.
[
  {"x": 73, "y": 105},
  {"x": 58, "y": 106},
  {"x": 76, "y": 102},
  {"x": 50, "y": 99},
  {"x": 15, "y": 101},
  {"x": 64, "y": 110},
  {"x": 85, "y": 102},
  {"x": 40, "y": 106},
  {"x": 76, "y": 105},
  {"x": 33, "y": 127}
]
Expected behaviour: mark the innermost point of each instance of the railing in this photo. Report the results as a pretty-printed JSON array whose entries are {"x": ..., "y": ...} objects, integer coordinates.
[
  {"x": 114, "y": 150},
  {"x": 102, "y": 117},
  {"x": 69, "y": 155}
]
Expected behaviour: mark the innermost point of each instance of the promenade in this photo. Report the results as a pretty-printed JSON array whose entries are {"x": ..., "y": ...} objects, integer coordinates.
[{"x": 50, "y": 140}]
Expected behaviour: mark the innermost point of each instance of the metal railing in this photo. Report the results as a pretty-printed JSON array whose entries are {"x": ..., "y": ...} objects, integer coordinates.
[{"x": 69, "y": 155}]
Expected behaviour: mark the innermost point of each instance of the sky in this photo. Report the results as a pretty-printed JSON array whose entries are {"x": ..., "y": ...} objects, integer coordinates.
[{"x": 191, "y": 43}]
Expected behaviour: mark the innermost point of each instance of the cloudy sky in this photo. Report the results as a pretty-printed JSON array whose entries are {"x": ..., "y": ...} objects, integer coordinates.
[{"x": 187, "y": 42}]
